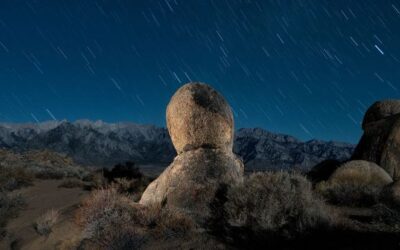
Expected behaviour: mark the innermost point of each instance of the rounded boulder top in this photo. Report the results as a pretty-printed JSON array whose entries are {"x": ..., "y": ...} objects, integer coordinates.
[
  {"x": 360, "y": 171},
  {"x": 199, "y": 117},
  {"x": 381, "y": 110}
]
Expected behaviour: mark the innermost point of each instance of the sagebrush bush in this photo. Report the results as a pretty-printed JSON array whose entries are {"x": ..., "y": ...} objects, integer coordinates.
[
  {"x": 108, "y": 216},
  {"x": 10, "y": 204},
  {"x": 135, "y": 187},
  {"x": 47, "y": 174},
  {"x": 44, "y": 224},
  {"x": 356, "y": 183},
  {"x": 15, "y": 177},
  {"x": 278, "y": 202}
]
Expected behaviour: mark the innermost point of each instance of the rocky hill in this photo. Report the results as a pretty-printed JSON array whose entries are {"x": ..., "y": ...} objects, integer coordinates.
[
  {"x": 261, "y": 149},
  {"x": 104, "y": 144}
]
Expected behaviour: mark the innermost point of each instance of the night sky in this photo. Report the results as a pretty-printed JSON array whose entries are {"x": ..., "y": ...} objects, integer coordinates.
[{"x": 305, "y": 68}]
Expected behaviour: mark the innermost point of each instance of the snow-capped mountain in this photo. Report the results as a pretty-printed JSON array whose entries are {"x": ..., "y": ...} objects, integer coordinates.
[
  {"x": 261, "y": 149},
  {"x": 104, "y": 144}
]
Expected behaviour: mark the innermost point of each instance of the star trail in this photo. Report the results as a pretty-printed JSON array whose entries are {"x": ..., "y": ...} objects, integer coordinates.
[{"x": 309, "y": 68}]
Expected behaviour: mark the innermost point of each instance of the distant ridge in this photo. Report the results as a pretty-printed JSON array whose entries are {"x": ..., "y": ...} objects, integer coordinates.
[{"x": 104, "y": 144}]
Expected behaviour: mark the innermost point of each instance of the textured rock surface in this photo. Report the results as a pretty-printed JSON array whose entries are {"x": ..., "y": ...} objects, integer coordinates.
[
  {"x": 361, "y": 172},
  {"x": 198, "y": 116},
  {"x": 381, "y": 110},
  {"x": 191, "y": 181},
  {"x": 380, "y": 142},
  {"x": 201, "y": 126}
]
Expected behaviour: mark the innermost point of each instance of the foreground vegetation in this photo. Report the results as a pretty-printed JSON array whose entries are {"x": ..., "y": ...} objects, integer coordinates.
[{"x": 276, "y": 210}]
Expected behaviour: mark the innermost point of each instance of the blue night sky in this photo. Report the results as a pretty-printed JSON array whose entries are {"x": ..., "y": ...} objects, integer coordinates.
[{"x": 309, "y": 68}]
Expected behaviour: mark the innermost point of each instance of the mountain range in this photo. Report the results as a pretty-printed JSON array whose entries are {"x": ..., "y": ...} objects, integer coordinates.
[{"x": 105, "y": 144}]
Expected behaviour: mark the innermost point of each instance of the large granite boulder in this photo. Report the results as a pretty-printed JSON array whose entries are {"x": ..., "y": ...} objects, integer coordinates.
[
  {"x": 380, "y": 142},
  {"x": 200, "y": 122},
  {"x": 198, "y": 116},
  {"x": 192, "y": 180}
]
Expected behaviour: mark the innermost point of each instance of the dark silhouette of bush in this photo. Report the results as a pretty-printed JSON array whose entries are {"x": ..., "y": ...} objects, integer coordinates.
[
  {"x": 128, "y": 171},
  {"x": 323, "y": 170}
]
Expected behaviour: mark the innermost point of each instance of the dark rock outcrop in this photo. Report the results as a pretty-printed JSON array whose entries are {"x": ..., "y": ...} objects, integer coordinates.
[
  {"x": 391, "y": 195},
  {"x": 323, "y": 170},
  {"x": 380, "y": 142}
]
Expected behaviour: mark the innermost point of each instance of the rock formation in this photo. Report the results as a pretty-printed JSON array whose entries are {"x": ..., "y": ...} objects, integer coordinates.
[
  {"x": 380, "y": 142},
  {"x": 362, "y": 173},
  {"x": 200, "y": 123}
]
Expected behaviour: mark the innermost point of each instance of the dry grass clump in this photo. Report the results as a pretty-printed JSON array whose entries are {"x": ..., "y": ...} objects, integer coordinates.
[
  {"x": 280, "y": 203},
  {"x": 15, "y": 177},
  {"x": 112, "y": 220},
  {"x": 10, "y": 204},
  {"x": 45, "y": 223},
  {"x": 135, "y": 187},
  {"x": 356, "y": 183},
  {"x": 128, "y": 181}
]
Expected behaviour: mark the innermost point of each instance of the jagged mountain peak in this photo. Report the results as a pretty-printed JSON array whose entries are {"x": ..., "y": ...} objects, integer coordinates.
[{"x": 104, "y": 144}]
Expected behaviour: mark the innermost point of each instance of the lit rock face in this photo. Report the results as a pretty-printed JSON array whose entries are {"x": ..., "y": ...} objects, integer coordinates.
[
  {"x": 200, "y": 123},
  {"x": 199, "y": 117},
  {"x": 380, "y": 142}
]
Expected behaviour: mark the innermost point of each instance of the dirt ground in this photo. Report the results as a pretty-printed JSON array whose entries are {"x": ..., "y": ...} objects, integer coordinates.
[{"x": 40, "y": 198}]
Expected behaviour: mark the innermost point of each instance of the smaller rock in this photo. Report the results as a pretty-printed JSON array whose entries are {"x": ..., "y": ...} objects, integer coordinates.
[
  {"x": 381, "y": 110},
  {"x": 355, "y": 183},
  {"x": 363, "y": 173}
]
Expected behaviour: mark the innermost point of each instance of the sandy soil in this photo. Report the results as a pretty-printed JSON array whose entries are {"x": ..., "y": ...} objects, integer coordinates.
[{"x": 40, "y": 198}]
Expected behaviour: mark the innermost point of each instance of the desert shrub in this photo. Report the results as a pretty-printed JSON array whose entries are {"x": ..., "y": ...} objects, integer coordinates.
[
  {"x": 48, "y": 173},
  {"x": 96, "y": 181},
  {"x": 111, "y": 220},
  {"x": 349, "y": 193},
  {"x": 10, "y": 204},
  {"x": 135, "y": 187},
  {"x": 127, "y": 170},
  {"x": 106, "y": 216},
  {"x": 390, "y": 195},
  {"x": 45, "y": 223},
  {"x": 14, "y": 177},
  {"x": 58, "y": 172},
  {"x": 167, "y": 222},
  {"x": 280, "y": 203},
  {"x": 356, "y": 183},
  {"x": 71, "y": 183}
]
